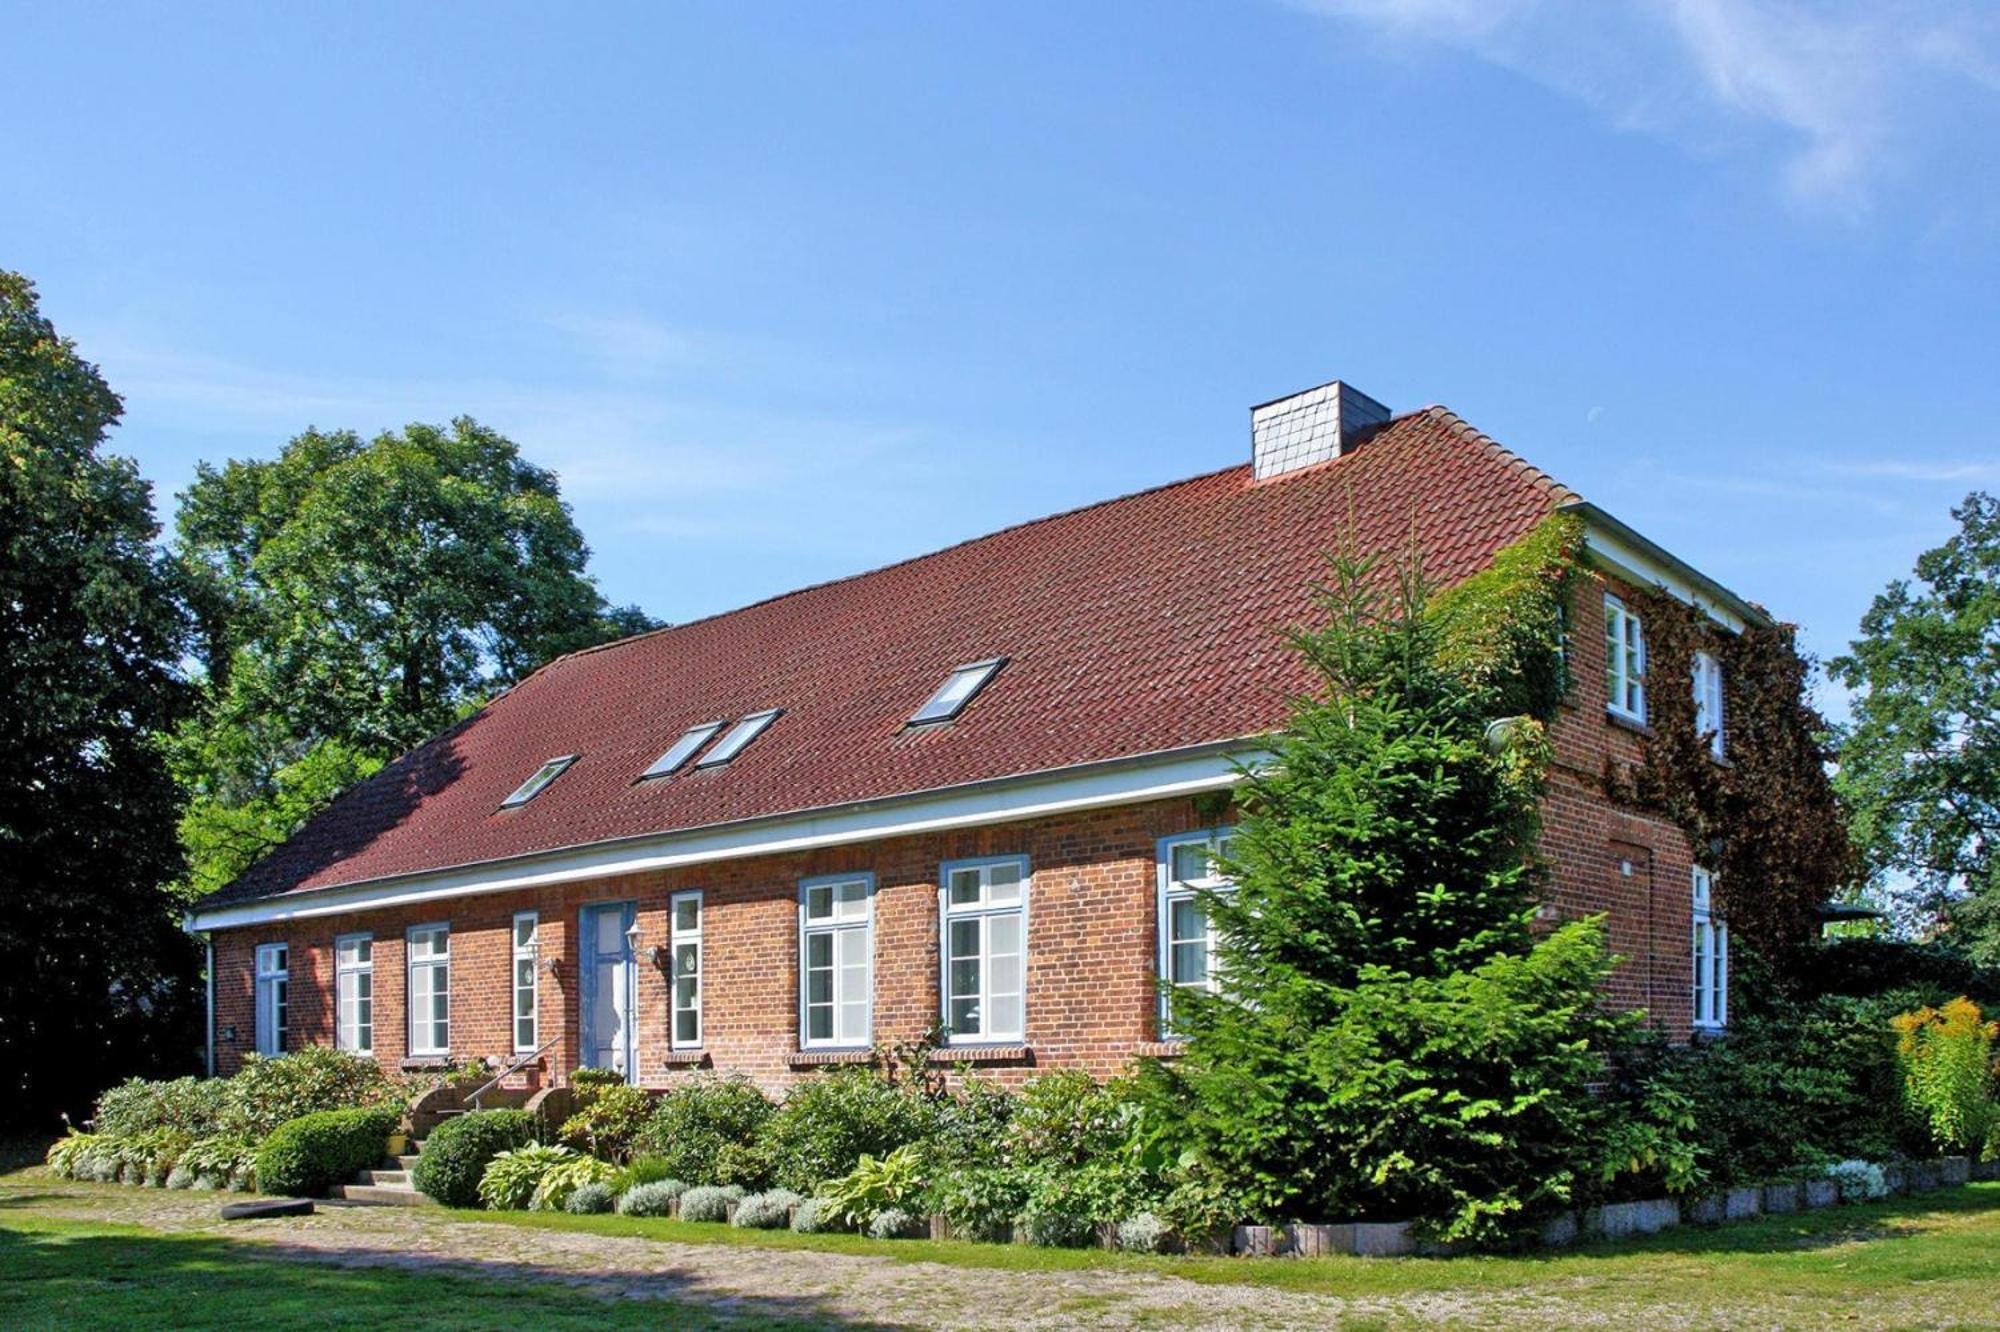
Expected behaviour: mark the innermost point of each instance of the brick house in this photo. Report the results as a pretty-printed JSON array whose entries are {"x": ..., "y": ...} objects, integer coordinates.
[{"x": 977, "y": 786}]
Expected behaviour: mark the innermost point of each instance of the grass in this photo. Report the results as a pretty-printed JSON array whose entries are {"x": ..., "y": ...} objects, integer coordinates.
[
  {"x": 73, "y": 1274},
  {"x": 1952, "y": 1236},
  {"x": 1930, "y": 1261}
]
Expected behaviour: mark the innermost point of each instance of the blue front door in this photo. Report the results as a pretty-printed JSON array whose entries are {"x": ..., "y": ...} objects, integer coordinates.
[{"x": 609, "y": 1010}]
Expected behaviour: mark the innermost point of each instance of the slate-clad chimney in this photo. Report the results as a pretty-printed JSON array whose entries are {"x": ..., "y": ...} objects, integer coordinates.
[{"x": 1310, "y": 427}]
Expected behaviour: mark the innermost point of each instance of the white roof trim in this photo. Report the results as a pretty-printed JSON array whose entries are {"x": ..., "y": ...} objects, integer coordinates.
[
  {"x": 1152, "y": 777},
  {"x": 1618, "y": 550}
]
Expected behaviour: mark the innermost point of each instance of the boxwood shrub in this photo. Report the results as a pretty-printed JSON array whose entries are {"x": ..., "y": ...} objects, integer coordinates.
[
  {"x": 309, "y": 1155},
  {"x": 457, "y": 1151}
]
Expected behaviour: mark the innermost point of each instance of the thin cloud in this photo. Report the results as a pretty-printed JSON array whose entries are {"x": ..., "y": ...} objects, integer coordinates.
[
  {"x": 1849, "y": 90},
  {"x": 1919, "y": 469}
]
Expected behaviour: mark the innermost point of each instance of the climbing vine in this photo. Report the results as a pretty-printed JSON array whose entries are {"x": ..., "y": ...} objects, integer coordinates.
[
  {"x": 1765, "y": 818},
  {"x": 1501, "y": 630}
]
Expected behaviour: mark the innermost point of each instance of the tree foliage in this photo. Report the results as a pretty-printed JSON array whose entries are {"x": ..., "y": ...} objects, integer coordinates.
[
  {"x": 96, "y": 980},
  {"x": 1390, "y": 1037},
  {"x": 355, "y": 597},
  {"x": 1920, "y": 761}
]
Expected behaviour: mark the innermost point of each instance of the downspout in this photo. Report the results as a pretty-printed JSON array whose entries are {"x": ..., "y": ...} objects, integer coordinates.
[{"x": 208, "y": 1024}]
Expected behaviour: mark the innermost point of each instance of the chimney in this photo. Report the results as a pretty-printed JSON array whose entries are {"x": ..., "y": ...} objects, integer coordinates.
[{"x": 1310, "y": 427}]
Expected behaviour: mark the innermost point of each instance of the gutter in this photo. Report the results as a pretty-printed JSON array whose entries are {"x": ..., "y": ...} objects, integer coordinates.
[{"x": 1163, "y": 774}]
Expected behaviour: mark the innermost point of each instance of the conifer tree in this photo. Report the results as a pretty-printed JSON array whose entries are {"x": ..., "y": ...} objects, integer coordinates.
[{"x": 1389, "y": 1037}]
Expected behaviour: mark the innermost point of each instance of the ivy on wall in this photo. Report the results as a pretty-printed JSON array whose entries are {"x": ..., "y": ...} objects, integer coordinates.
[{"x": 1765, "y": 818}]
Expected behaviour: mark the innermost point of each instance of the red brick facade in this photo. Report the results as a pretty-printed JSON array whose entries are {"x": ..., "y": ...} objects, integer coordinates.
[{"x": 1092, "y": 941}]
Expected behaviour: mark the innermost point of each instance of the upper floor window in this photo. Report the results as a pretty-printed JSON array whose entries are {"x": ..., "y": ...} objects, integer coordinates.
[
  {"x": 740, "y": 735},
  {"x": 684, "y": 942},
  {"x": 1708, "y": 700},
  {"x": 538, "y": 781},
  {"x": 274, "y": 983},
  {"x": 678, "y": 753},
  {"x": 836, "y": 960},
  {"x": 527, "y": 981},
  {"x": 985, "y": 911},
  {"x": 354, "y": 992},
  {"x": 1711, "y": 957},
  {"x": 1624, "y": 661},
  {"x": 957, "y": 691},
  {"x": 429, "y": 949},
  {"x": 1190, "y": 874}
]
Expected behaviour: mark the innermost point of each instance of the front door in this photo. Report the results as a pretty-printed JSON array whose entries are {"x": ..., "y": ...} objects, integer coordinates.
[{"x": 608, "y": 975}]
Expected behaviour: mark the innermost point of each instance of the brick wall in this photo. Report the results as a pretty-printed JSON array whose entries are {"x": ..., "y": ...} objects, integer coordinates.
[{"x": 1092, "y": 927}]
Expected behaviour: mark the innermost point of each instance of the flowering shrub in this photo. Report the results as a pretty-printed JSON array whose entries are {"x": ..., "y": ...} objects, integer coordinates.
[
  {"x": 270, "y": 1092},
  {"x": 1946, "y": 1057},
  {"x": 610, "y": 1123},
  {"x": 706, "y": 1131}
]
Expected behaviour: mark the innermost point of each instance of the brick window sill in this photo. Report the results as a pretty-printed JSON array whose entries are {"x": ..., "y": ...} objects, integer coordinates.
[
  {"x": 685, "y": 1059},
  {"x": 984, "y": 1054},
  {"x": 1627, "y": 724},
  {"x": 1161, "y": 1049},
  {"x": 426, "y": 1064},
  {"x": 828, "y": 1058}
]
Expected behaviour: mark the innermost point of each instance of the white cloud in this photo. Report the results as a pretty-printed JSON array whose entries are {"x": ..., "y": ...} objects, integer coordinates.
[{"x": 1849, "y": 87}]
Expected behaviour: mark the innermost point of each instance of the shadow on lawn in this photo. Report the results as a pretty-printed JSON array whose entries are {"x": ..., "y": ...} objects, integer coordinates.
[{"x": 59, "y": 1280}]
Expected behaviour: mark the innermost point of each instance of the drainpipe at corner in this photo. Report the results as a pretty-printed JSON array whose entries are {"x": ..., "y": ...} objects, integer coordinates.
[{"x": 208, "y": 1016}]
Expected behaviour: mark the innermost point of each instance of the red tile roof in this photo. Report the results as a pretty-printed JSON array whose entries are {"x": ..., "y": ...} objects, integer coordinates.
[{"x": 1145, "y": 623}]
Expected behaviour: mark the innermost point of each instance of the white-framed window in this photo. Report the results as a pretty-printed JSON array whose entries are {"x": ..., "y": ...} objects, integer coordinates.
[
  {"x": 684, "y": 942},
  {"x": 274, "y": 983},
  {"x": 1708, "y": 700},
  {"x": 354, "y": 992},
  {"x": 1189, "y": 872},
  {"x": 527, "y": 981},
  {"x": 1624, "y": 661},
  {"x": 837, "y": 960},
  {"x": 429, "y": 949},
  {"x": 984, "y": 906},
  {"x": 1711, "y": 957}
]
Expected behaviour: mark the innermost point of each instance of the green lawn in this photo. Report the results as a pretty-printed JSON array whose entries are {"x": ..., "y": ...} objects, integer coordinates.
[
  {"x": 1932, "y": 1261},
  {"x": 1947, "y": 1237},
  {"x": 67, "y": 1274}
]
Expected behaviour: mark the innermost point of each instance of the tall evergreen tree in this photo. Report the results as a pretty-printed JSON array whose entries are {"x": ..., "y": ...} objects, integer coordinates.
[
  {"x": 1389, "y": 1037},
  {"x": 96, "y": 979}
]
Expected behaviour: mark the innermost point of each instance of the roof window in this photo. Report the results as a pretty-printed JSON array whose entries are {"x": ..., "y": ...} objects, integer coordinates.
[
  {"x": 957, "y": 690},
  {"x": 683, "y": 749},
  {"x": 739, "y": 736},
  {"x": 538, "y": 783}
]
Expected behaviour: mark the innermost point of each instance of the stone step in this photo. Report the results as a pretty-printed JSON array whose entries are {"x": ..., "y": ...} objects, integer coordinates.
[
  {"x": 383, "y": 1195},
  {"x": 400, "y": 1162},
  {"x": 395, "y": 1179}
]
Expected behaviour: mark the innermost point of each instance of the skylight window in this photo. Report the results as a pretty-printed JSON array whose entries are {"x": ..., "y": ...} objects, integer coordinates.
[
  {"x": 957, "y": 691},
  {"x": 538, "y": 783},
  {"x": 739, "y": 735},
  {"x": 683, "y": 749}
]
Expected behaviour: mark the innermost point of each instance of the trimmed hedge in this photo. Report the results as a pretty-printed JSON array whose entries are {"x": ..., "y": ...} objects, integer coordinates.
[
  {"x": 305, "y": 1157},
  {"x": 456, "y": 1153}
]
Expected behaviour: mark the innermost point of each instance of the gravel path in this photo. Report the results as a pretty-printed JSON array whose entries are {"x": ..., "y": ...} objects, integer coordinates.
[{"x": 880, "y": 1292}]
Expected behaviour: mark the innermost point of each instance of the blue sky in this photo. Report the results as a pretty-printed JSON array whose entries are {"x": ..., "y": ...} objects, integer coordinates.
[{"x": 784, "y": 292}]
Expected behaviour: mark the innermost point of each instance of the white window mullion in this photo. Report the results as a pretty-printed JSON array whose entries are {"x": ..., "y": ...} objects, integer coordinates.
[
  {"x": 429, "y": 989},
  {"x": 983, "y": 911},
  {"x": 1189, "y": 869},
  {"x": 354, "y": 992},
  {"x": 1710, "y": 956},
  {"x": 273, "y": 997},
  {"x": 527, "y": 981},
  {"x": 1624, "y": 661},
  {"x": 684, "y": 943},
  {"x": 837, "y": 961}
]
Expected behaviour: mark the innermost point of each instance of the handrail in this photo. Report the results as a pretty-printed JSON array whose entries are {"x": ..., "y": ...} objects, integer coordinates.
[{"x": 512, "y": 1069}]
